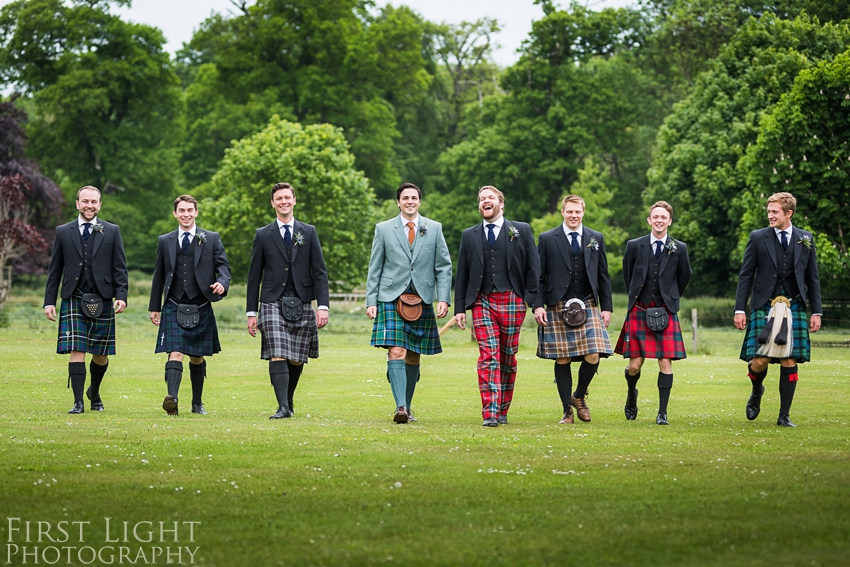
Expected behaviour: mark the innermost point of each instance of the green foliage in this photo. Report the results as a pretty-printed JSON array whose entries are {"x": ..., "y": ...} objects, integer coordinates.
[
  {"x": 803, "y": 148},
  {"x": 331, "y": 194},
  {"x": 701, "y": 144}
]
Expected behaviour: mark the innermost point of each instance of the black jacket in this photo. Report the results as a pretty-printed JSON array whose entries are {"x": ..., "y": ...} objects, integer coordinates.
[{"x": 674, "y": 274}]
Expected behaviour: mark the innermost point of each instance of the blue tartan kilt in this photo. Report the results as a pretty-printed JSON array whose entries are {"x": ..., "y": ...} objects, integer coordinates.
[
  {"x": 201, "y": 340},
  {"x": 801, "y": 349},
  {"x": 80, "y": 333},
  {"x": 390, "y": 330}
]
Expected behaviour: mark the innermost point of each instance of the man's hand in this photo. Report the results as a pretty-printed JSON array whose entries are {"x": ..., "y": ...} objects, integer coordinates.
[
  {"x": 155, "y": 318},
  {"x": 372, "y": 311},
  {"x": 50, "y": 311},
  {"x": 252, "y": 325},
  {"x": 606, "y": 318},
  {"x": 741, "y": 321},
  {"x": 321, "y": 317},
  {"x": 540, "y": 316},
  {"x": 217, "y": 288},
  {"x": 119, "y": 306},
  {"x": 814, "y": 324},
  {"x": 442, "y": 309},
  {"x": 460, "y": 319}
]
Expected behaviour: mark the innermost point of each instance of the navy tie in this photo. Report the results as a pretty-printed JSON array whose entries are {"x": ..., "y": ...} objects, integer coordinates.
[
  {"x": 658, "y": 245},
  {"x": 491, "y": 235},
  {"x": 86, "y": 231},
  {"x": 783, "y": 240},
  {"x": 185, "y": 245},
  {"x": 287, "y": 238},
  {"x": 576, "y": 246}
]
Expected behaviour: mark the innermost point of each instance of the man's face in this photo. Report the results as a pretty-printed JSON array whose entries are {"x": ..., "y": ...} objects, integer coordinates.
[
  {"x": 88, "y": 203},
  {"x": 489, "y": 205},
  {"x": 659, "y": 219},
  {"x": 572, "y": 213},
  {"x": 408, "y": 203},
  {"x": 185, "y": 215},
  {"x": 283, "y": 203},
  {"x": 777, "y": 217}
]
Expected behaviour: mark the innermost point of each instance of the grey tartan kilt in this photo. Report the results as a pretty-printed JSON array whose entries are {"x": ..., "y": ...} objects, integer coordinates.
[
  {"x": 295, "y": 341},
  {"x": 559, "y": 340}
]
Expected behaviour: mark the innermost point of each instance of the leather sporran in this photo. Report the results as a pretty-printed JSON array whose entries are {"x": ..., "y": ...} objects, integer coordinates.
[
  {"x": 409, "y": 307},
  {"x": 575, "y": 312},
  {"x": 188, "y": 316},
  {"x": 92, "y": 305},
  {"x": 657, "y": 318},
  {"x": 292, "y": 308}
]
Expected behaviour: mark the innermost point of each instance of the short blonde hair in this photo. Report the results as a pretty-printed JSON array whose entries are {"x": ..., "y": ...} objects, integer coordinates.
[
  {"x": 664, "y": 205},
  {"x": 498, "y": 193},
  {"x": 787, "y": 200},
  {"x": 572, "y": 199}
]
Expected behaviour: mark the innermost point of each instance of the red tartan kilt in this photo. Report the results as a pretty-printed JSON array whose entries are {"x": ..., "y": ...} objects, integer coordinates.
[{"x": 637, "y": 340}]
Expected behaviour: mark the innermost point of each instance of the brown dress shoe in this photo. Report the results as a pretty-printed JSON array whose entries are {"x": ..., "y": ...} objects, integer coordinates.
[
  {"x": 169, "y": 404},
  {"x": 401, "y": 415},
  {"x": 568, "y": 417},
  {"x": 582, "y": 410},
  {"x": 410, "y": 417}
]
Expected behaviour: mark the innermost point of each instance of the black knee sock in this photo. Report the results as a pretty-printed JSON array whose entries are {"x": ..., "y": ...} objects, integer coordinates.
[
  {"x": 665, "y": 382},
  {"x": 197, "y": 373},
  {"x": 787, "y": 386},
  {"x": 97, "y": 373},
  {"x": 279, "y": 375},
  {"x": 77, "y": 378},
  {"x": 564, "y": 381},
  {"x": 294, "y": 375},
  {"x": 757, "y": 378},
  {"x": 586, "y": 372},
  {"x": 173, "y": 377},
  {"x": 632, "y": 380}
]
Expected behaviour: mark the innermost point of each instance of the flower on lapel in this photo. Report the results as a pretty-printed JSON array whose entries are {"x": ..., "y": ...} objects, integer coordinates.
[
  {"x": 805, "y": 241},
  {"x": 671, "y": 246},
  {"x": 594, "y": 244},
  {"x": 423, "y": 229},
  {"x": 202, "y": 237},
  {"x": 299, "y": 239},
  {"x": 513, "y": 232},
  {"x": 97, "y": 227}
]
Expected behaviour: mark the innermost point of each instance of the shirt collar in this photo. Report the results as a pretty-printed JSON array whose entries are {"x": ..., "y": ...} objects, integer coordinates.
[
  {"x": 291, "y": 224},
  {"x": 568, "y": 230},
  {"x": 81, "y": 221},
  {"x": 191, "y": 232},
  {"x": 788, "y": 231},
  {"x": 404, "y": 221},
  {"x": 653, "y": 240},
  {"x": 498, "y": 223}
]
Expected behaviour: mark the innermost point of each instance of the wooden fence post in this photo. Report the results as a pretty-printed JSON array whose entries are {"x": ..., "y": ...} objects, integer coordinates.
[{"x": 694, "y": 329}]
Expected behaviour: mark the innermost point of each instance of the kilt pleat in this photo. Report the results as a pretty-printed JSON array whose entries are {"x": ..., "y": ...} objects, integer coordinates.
[
  {"x": 558, "y": 340},
  {"x": 637, "y": 340},
  {"x": 390, "y": 330},
  {"x": 80, "y": 333},
  {"x": 293, "y": 340},
  {"x": 201, "y": 340},
  {"x": 801, "y": 349}
]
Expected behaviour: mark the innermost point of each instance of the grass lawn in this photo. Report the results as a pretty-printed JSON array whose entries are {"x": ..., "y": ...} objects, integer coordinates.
[{"x": 340, "y": 484}]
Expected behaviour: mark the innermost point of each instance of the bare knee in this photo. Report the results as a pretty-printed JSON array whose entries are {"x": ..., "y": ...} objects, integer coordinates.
[{"x": 396, "y": 353}]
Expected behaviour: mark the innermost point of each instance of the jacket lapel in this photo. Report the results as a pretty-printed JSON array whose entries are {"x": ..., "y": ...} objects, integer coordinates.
[
  {"x": 197, "y": 242},
  {"x": 665, "y": 255},
  {"x": 277, "y": 238},
  {"x": 771, "y": 246},
  {"x": 74, "y": 231},
  {"x": 296, "y": 228},
  {"x": 418, "y": 241},
  {"x": 509, "y": 242},
  {"x": 646, "y": 255},
  {"x": 171, "y": 246},
  {"x": 563, "y": 246},
  {"x": 96, "y": 238},
  {"x": 478, "y": 241},
  {"x": 588, "y": 252},
  {"x": 398, "y": 229}
]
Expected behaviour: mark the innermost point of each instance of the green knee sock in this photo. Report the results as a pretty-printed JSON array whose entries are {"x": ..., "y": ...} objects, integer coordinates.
[
  {"x": 398, "y": 380},
  {"x": 412, "y": 371}
]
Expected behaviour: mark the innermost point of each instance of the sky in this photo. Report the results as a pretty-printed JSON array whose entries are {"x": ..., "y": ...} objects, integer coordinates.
[{"x": 179, "y": 18}]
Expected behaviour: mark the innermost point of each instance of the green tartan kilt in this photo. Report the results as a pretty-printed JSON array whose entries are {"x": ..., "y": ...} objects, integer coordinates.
[
  {"x": 201, "y": 340},
  {"x": 801, "y": 350},
  {"x": 390, "y": 330}
]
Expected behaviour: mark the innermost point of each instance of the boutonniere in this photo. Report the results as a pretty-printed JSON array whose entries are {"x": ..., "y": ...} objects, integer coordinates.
[
  {"x": 299, "y": 239},
  {"x": 97, "y": 227},
  {"x": 671, "y": 246},
  {"x": 423, "y": 229},
  {"x": 513, "y": 232},
  {"x": 593, "y": 245},
  {"x": 201, "y": 238},
  {"x": 805, "y": 241}
]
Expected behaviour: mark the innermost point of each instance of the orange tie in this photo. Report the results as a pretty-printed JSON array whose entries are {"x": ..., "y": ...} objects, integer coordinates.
[{"x": 411, "y": 233}]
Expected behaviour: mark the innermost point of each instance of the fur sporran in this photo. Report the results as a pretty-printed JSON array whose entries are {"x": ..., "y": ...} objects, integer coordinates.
[{"x": 575, "y": 312}]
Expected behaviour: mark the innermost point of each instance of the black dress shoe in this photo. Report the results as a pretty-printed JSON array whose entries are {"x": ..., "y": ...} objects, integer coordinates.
[
  {"x": 491, "y": 422},
  {"x": 783, "y": 420},
  {"x": 78, "y": 408},
  {"x": 401, "y": 415},
  {"x": 503, "y": 420},
  {"x": 754, "y": 404},
  {"x": 96, "y": 403},
  {"x": 661, "y": 419},
  {"x": 281, "y": 413},
  {"x": 631, "y": 405},
  {"x": 169, "y": 404},
  {"x": 199, "y": 408}
]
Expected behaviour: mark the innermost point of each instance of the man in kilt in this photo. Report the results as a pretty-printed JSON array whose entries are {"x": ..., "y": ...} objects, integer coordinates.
[
  {"x": 88, "y": 260},
  {"x": 497, "y": 277},
  {"x": 409, "y": 256},
  {"x": 656, "y": 270},
  {"x": 573, "y": 265},
  {"x": 780, "y": 265},
  {"x": 191, "y": 272},
  {"x": 287, "y": 258}
]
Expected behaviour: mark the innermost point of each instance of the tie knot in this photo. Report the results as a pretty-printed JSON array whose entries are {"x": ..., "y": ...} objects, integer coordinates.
[
  {"x": 574, "y": 235},
  {"x": 87, "y": 224},
  {"x": 411, "y": 225},
  {"x": 491, "y": 226}
]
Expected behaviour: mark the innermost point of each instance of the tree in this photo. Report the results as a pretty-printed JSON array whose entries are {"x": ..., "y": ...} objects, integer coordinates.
[
  {"x": 701, "y": 144},
  {"x": 331, "y": 194},
  {"x": 802, "y": 148}
]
